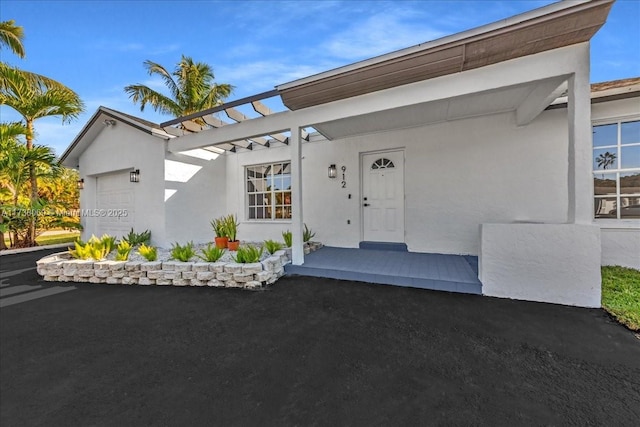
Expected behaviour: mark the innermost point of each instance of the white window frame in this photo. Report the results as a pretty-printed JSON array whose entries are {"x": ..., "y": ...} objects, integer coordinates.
[
  {"x": 615, "y": 222},
  {"x": 272, "y": 193}
]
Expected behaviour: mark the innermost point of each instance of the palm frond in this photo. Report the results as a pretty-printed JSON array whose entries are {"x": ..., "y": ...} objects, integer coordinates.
[
  {"x": 159, "y": 102},
  {"x": 155, "y": 68},
  {"x": 11, "y": 36}
]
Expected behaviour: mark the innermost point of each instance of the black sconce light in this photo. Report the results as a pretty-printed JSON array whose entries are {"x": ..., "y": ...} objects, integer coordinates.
[
  {"x": 80, "y": 184},
  {"x": 134, "y": 175},
  {"x": 333, "y": 171}
]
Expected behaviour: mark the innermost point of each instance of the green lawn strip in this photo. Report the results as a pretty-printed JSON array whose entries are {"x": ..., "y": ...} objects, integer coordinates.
[
  {"x": 53, "y": 239},
  {"x": 621, "y": 295},
  {"x": 57, "y": 238}
]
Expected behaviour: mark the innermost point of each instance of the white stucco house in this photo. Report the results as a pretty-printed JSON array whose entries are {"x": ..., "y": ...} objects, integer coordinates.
[{"x": 484, "y": 143}]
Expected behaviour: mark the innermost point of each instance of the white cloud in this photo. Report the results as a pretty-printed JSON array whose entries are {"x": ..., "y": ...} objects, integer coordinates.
[
  {"x": 379, "y": 34},
  {"x": 264, "y": 75}
]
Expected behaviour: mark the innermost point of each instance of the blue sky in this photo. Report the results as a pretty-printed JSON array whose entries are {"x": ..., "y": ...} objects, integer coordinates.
[{"x": 97, "y": 47}]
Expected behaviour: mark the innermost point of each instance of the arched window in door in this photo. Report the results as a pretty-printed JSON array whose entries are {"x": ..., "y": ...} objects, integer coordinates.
[{"x": 382, "y": 164}]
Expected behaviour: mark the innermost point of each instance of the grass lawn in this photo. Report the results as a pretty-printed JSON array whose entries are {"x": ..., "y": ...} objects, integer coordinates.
[
  {"x": 621, "y": 295},
  {"x": 54, "y": 239}
]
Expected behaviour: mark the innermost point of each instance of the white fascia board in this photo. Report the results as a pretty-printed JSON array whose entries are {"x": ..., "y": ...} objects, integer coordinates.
[
  {"x": 504, "y": 23},
  {"x": 544, "y": 65}
]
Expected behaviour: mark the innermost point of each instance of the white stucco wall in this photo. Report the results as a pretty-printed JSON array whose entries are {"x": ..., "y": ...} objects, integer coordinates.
[
  {"x": 195, "y": 191},
  {"x": 557, "y": 263},
  {"x": 123, "y": 148},
  {"x": 621, "y": 246},
  {"x": 457, "y": 175},
  {"x": 620, "y": 239}
]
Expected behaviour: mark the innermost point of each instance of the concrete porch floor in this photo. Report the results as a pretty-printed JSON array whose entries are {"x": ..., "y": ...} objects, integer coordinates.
[{"x": 453, "y": 273}]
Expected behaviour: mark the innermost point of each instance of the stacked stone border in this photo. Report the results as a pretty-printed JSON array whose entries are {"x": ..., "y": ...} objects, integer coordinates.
[{"x": 60, "y": 267}]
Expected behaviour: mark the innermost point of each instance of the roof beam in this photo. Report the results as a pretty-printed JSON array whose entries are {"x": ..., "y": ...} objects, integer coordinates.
[
  {"x": 242, "y": 101},
  {"x": 538, "y": 99}
]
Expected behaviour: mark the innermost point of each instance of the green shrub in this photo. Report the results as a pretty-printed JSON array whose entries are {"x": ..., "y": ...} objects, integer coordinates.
[
  {"x": 150, "y": 253},
  {"x": 135, "y": 239},
  {"x": 247, "y": 254},
  {"x": 231, "y": 227},
  {"x": 287, "y": 236},
  {"x": 94, "y": 248},
  {"x": 81, "y": 251},
  {"x": 122, "y": 250},
  {"x": 108, "y": 243},
  {"x": 272, "y": 246},
  {"x": 219, "y": 226},
  {"x": 182, "y": 253},
  {"x": 211, "y": 253},
  {"x": 307, "y": 234}
]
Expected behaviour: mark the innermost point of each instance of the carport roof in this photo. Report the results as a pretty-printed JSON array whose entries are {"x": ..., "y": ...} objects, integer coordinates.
[{"x": 554, "y": 26}]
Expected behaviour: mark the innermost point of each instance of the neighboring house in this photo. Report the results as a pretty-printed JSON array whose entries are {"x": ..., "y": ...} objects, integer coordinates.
[{"x": 478, "y": 143}]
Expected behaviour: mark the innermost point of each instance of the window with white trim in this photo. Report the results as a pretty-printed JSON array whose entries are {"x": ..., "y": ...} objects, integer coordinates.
[
  {"x": 269, "y": 191},
  {"x": 616, "y": 169}
]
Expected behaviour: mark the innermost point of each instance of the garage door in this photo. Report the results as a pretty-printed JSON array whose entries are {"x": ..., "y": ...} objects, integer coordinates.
[{"x": 115, "y": 203}]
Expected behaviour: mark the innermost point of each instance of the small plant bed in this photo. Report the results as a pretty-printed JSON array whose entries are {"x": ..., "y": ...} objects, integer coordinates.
[
  {"x": 621, "y": 295},
  {"x": 253, "y": 266}
]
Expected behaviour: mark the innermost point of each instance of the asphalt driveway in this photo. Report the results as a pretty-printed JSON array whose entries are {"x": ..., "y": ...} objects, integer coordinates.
[{"x": 307, "y": 352}]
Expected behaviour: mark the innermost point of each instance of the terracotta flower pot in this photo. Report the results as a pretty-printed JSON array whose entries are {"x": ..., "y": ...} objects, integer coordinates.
[
  {"x": 221, "y": 242},
  {"x": 233, "y": 246}
]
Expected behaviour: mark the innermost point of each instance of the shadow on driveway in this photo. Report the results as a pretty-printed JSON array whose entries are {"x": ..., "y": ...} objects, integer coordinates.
[{"x": 310, "y": 351}]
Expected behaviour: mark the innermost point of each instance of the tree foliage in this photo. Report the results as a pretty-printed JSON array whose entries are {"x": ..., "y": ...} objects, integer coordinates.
[
  {"x": 25, "y": 165},
  {"x": 191, "y": 87},
  {"x": 11, "y": 36}
]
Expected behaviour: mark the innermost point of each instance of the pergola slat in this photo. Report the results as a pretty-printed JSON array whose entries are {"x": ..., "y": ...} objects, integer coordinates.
[
  {"x": 174, "y": 131},
  {"x": 192, "y": 126}
]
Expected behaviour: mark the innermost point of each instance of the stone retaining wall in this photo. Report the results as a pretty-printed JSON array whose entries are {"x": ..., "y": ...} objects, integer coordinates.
[{"x": 61, "y": 267}]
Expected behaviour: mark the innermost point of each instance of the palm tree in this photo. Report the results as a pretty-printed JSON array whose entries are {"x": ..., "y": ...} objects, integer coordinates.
[
  {"x": 605, "y": 160},
  {"x": 191, "y": 86},
  {"x": 11, "y": 36},
  {"x": 9, "y": 133},
  {"x": 16, "y": 163},
  {"x": 34, "y": 98}
]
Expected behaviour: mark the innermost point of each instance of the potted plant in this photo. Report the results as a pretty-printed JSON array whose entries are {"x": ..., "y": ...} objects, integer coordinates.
[
  {"x": 231, "y": 228},
  {"x": 219, "y": 227}
]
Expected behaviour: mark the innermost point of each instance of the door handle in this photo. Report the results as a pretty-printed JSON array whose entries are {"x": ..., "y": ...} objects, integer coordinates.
[{"x": 366, "y": 204}]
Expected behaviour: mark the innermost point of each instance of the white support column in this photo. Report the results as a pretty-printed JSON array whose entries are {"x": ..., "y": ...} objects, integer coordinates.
[
  {"x": 297, "y": 221},
  {"x": 580, "y": 177}
]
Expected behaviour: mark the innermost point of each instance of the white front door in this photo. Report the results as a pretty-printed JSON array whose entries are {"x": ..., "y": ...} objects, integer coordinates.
[{"x": 383, "y": 196}]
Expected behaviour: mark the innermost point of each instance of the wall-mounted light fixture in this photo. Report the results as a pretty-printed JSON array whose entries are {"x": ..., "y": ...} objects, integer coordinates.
[
  {"x": 80, "y": 184},
  {"x": 134, "y": 175},
  {"x": 333, "y": 171},
  {"x": 109, "y": 122}
]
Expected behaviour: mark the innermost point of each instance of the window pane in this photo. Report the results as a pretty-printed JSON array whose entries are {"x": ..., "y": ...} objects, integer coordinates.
[
  {"x": 259, "y": 212},
  {"x": 283, "y": 212},
  {"x": 604, "y": 183},
  {"x": 604, "y": 159},
  {"x": 252, "y": 200},
  {"x": 629, "y": 183},
  {"x": 630, "y": 133},
  {"x": 605, "y": 135},
  {"x": 252, "y": 213},
  {"x": 605, "y": 207},
  {"x": 630, "y": 157},
  {"x": 277, "y": 183},
  {"x": 630, "y": 207},
  {"x": 260, "y": 184}
]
